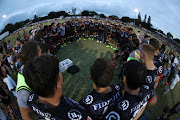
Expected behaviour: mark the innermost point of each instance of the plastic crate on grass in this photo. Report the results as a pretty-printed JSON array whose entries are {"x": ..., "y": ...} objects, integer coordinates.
[{"x": 65, "y": 64}]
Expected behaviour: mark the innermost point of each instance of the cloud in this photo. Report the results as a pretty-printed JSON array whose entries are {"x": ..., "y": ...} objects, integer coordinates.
[{"x": 164, "y": 14}]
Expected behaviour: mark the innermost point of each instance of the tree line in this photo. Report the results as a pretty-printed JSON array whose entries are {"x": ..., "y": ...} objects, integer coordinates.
[{"x": 146, "y": 23}]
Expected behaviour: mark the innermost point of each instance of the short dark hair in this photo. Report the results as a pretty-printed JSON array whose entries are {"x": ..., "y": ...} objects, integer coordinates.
[
  {"x": 155, "y": 43},
  {"x": 135, "y": 42},
  {"x": 42, "y": 74},
  {"x": 102, "y": 72},
  {"x": 135, "y": 73},
  {"x": 130, "y": 29},
  {"x": 44, "y": 48},
  {"x": 146, "y": 36},
  {"x": 28, "y": 51}
]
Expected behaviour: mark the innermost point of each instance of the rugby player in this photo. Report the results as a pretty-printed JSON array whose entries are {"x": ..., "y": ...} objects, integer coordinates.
[
  {"x": 98, "y": 100},
  {"x": 43, "y": 76}
]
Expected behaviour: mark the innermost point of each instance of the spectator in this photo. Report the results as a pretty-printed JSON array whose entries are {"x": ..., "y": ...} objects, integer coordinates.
[
  {"x": 18, "y": 37},
  {"x": 29, "y": 50},
  {"x": 145, "y": 39},
  {"x": 8, "y": 80},
  {"x": 44, "y": 78},
  {"x": 1, "y": 48}
]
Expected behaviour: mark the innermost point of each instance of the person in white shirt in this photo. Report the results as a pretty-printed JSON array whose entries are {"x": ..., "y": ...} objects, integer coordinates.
[{"x": 8, "y": 80}]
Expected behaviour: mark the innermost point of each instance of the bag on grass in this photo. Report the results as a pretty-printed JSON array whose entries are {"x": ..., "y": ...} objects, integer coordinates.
[{"x": 73, "y": 69}]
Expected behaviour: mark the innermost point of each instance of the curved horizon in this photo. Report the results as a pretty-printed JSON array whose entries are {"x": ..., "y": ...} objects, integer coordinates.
[{"x": 164, "y": 15}]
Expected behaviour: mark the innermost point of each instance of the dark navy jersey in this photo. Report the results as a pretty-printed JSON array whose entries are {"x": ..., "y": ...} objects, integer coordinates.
[
  {"x": 67, "y": 26},
  {"x": 86, "y": 24},
  {"x": 128, "y": 106},
  {"x": 54, "y": 30},
  {"x": 78, "y": 26},
  {"x": 72, "y": 27},
  {"x": 151, "y": 80},
  {"x": 109, "y": 28},
  {"x": 101, "y": 26},
  {"x": 91, "y": 25},
  {"x": 96, "y": 25},
  {"x": 66, "y": 110},
  {"x": 97, "y": 103},
  {"x": 114, "y": 31},
  {"x": 158, "y": 64}
]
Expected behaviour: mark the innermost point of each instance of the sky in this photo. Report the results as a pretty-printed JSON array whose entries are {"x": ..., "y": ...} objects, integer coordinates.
[{"x": 164, "y": 13}]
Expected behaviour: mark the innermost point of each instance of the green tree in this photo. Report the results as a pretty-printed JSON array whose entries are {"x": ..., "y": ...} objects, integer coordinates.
[
  {"x": 177, "y": 40},
  {"x": 170, "y": 35},
  {"x": 85, "y": 13},
  {"x": 113, "y": 17},
  {"x": 125, "y": 19},
  {"x": 102, "y": 16}
]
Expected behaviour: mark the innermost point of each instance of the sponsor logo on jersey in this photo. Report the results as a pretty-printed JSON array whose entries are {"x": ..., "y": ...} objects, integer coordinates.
[
  {"x": 88, "y": 100},
  {"x": 74, "y": 115},
  {"x": 124, "y": 105},
  {"x": 31, "y": 97},
  {"x": 39, "y": 112},
  {"x": 113, "y": 116},
  {"x": 160, "y": 69},
  {"x": 149, "y": 79},
  {"x": 107, "y": 102},
  {"x": 117, "y": 87}
]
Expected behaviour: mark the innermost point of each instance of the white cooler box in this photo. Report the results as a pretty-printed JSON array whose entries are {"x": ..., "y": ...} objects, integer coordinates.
[{"x": 65, "y": 64}]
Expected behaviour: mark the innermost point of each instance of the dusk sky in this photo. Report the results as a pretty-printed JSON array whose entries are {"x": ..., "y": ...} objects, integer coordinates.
[{"x": 164, "y": 13}]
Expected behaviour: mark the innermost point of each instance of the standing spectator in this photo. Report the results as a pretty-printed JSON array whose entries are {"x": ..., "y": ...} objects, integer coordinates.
[
  {"x": 105, "y": 32},
  {"x": 24, "y": 34},
  {"x": 29, "y": 50},
  {"x": 4, "y": 44},
  {"x": 1, "y": 48},
  {"x": 9, "y": 46},
  {"x": 18, "y": 37},
  {"x": 145, "y": 39},
  {"x": 18, "y": 46}
]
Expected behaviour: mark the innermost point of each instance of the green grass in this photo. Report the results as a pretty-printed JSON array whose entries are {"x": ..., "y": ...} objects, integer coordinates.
[{"x": 83, "y": 55}]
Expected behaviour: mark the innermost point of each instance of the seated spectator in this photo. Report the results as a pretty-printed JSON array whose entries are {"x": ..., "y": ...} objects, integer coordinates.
[
  {"x": 135, "y": 97},
  {"x": 8, "y": 80},
  {"x": 43, "y": 76},
  {"x": 102, "y": 95}
]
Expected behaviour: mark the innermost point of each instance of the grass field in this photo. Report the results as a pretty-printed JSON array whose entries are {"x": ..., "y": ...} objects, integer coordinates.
[{"x": 83, "y": 55}]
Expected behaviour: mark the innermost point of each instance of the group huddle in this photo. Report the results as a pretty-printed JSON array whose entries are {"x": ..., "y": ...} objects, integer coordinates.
[{"x": 143, "y": 62}]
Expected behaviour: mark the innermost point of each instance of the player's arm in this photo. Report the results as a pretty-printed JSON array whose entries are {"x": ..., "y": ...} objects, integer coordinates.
[
  {"x": 25, "y": 113},
  {"x": 139, "y": 115}
]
